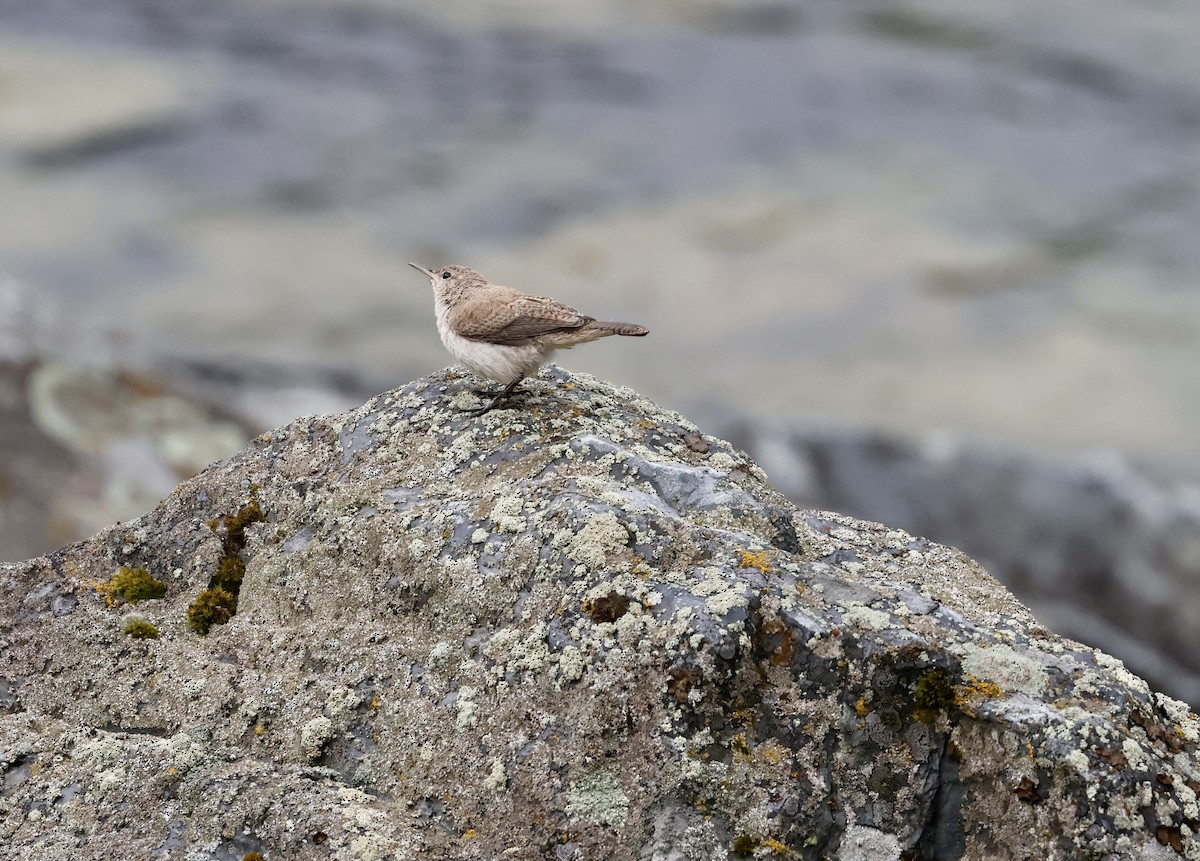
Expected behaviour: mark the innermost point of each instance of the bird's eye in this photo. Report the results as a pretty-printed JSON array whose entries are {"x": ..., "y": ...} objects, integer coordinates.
[{"x": 446, "y": 275}]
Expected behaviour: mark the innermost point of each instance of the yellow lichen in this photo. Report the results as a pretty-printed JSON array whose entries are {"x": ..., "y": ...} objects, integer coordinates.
[
  {"x": 740, "y": 748},
  {"x": 780, "y": 848},
  {"x": 974, "y": 686},
  {"x": 755, "y": 559},
  {"x": 771, "y": 752}
]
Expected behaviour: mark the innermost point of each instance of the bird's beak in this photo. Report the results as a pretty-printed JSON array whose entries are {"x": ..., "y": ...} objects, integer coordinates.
[{"x": 422, "y": 270}]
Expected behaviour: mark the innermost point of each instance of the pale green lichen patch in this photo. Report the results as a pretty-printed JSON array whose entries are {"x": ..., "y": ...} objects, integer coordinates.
[
  {"x": 515, "y": 650},
  {"x": 602, "y": 537},
  {"x": 314, "y": 735},
  {"x": 508, "y": 514},
  {"x": 1186, "y": 723},
  {"x": 571, "y": 664},
  {"x": 861, "y": 843},
  {"x": 1135, "y": 754},
  {"x": 341, "y": 702},
  {"x": 439, "y": 655},
  {"x": 866, "y": 617},
  {"x": 1078, "y": 760},
  {"x": 187, "y": 750},
  {"x": 497, "y": 777},
  {"x": 1006, "y": 667},
  {"x": 599, "y": 799},
  {"x": 1117, "y": 667},
  {"x": 467, "y": 708},
  {"x": 366, "y": 827},
  {"x": 722, "y": 594}
]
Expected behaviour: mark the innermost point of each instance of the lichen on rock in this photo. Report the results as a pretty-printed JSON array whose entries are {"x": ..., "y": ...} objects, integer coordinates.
[{"x": 576, "y": 629}]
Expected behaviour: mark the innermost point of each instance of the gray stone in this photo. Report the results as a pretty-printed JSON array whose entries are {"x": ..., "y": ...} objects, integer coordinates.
[
  {"x": 1099, "y": 550},
  {"x": 564, "y": 631}
]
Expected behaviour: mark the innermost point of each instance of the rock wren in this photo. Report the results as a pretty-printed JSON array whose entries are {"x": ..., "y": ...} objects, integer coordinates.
[{"x": 504, "y": 334}]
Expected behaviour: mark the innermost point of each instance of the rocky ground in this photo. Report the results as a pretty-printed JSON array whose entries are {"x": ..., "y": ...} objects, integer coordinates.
[{"x": 584, "y": 629}]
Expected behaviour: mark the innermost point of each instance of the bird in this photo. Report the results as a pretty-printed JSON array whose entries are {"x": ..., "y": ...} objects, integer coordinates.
[{"x": 504, "y": 334}]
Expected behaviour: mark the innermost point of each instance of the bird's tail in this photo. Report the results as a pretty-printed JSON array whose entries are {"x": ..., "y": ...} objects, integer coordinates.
[
  {"x": 592, "y": 330},
  {"x": 611, "y": 328}
]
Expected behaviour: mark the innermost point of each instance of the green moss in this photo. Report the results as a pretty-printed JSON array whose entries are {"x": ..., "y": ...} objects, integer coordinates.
[
  {"x": 235, "y": 525},
  {"x": 135, "y": 584},
  {"x": 217, "y": 604},
  {"x": 932, "y": 694},
  {"x": 743, "y": 846},
  {"x": 230, "y": 571},
  {"x": 139, "y": 629},
  {"x": 252, "y": 856},
  {"x": 213, "y": 606}
]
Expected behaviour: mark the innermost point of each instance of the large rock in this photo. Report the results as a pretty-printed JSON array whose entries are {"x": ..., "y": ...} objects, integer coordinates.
[{"x": 581, "y": 629}]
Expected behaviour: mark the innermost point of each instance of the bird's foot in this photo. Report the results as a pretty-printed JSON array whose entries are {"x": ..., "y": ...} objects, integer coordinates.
[
  {"x": 496, "y": 398},
  {"x": 494, "y": 403}
]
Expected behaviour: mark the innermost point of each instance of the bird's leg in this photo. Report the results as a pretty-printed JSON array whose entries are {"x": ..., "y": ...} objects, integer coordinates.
[
  {"x": 498, "y": 398},
  {"x": 488, "y": 392}
]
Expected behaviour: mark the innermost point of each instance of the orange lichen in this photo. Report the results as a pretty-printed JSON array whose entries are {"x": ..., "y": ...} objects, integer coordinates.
[
  {"x": 755, "y": 559},
  {"x": 973, "y": 687}
]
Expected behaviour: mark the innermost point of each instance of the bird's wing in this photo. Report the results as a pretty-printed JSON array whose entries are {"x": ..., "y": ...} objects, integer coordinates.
[{"x": 501, "y": 315}]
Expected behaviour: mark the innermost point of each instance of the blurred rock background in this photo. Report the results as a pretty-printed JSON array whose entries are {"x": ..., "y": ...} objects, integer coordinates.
[{"x": 932, "y": 263}]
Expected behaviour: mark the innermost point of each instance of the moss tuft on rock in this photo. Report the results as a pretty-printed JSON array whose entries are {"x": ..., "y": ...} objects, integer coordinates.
[
  {"x": 213, "y": 606},
  {"x": 139, "y": 629},
  {"x": 932, "y": 694},
  {"x": 743, "y": 846},
  {"x": 135, "y": 584}
]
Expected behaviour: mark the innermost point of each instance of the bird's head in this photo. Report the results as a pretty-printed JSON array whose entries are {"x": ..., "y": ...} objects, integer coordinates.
[{"x": 451, "y": 281}]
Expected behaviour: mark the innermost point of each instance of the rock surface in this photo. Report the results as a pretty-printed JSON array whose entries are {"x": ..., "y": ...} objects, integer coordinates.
[
  {"x": 1100, "y": 550},
  {"x": 581, "y": 629}
]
